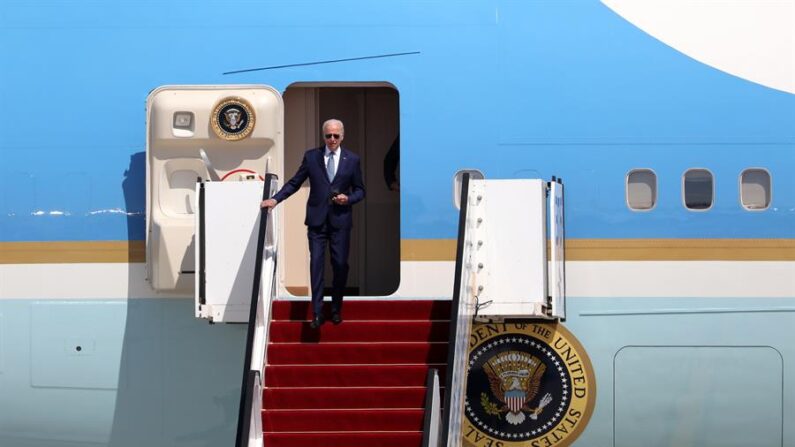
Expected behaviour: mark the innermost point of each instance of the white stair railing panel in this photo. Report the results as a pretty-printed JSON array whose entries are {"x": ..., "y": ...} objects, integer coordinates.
[
  {"x": 255, "y": 432},
  {"x": 226, "y": 249},
  {"x": 267, "y": 289},
  {"x": 250, "y": 430},
  {"x": 464, "y": 306},
  {"x": 433, "y": 410},
  {"x": 512, "y": 257},
  {"x": 557, "y": 237}
]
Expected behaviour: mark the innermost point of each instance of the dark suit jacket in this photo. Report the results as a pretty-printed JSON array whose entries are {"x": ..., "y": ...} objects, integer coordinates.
[{"x": 347, "y": 180}]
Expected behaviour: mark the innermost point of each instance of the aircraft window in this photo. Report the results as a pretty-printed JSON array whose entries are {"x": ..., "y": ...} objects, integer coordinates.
[
  {"x": 641, "y": 189},
  {"x": 699, "y": 189},
  {"x": 755, "y": 189}
]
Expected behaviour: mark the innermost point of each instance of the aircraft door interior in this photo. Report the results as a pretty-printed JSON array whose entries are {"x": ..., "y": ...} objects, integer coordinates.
[
  {"x": 224, "y": 133},
  {"x": 370, "y": 113}
]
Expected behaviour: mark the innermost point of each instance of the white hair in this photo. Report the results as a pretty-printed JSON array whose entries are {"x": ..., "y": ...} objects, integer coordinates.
[{"x": 333, "y": 121}]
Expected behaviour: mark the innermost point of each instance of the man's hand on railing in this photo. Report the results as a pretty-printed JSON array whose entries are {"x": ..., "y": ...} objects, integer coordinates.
[{"x": 269, "y": 203}]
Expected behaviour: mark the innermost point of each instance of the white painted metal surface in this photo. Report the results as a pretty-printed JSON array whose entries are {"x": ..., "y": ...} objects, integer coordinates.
[
  {"x": 477, "y": 262},
  {"x": 432, "y": 280},
  {"x": 557, "y": 237},
  {"x": 512, "y": 234},
  {"x": 435, "y": 412},
  {"x": 255, "y": 429},
  {"x": 267, "y": 289},
  {"x": 231, "y": 224},
  {"x": 750, "y": 39},
  {"x": 468, "y": 288}
]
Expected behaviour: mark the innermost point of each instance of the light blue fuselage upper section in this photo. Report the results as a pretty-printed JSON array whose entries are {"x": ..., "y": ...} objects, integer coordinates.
[{"x": 515, "y": 89}]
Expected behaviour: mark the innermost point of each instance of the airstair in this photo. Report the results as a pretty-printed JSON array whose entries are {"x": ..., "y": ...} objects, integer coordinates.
[
  {"x": 384, "y": 376},
  {"x": 364, "y": 382}
]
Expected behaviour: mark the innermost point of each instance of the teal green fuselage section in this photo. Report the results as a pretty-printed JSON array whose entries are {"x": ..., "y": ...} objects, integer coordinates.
[
  {"x": 139, "y": 372},
  {"x": 678, "y": 371}
]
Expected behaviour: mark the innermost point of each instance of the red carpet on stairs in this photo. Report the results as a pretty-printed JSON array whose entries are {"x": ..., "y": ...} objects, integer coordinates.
[{"x": 361, "y": 383}]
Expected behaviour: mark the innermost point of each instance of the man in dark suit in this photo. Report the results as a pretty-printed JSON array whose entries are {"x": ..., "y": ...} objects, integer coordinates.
[{"x": 335, "y": 184}]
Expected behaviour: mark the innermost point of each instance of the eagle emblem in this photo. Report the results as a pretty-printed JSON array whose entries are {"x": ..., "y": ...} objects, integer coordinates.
[
  {"x": 514, "y": 379},
  {"x": 232, "y": 118}
]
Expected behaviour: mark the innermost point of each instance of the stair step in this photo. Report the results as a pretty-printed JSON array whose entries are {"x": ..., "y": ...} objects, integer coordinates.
[
  {"x": 348, "y": 375},
  {"x": 342, "y": 420},
  {"x": 331, "y": 439},
  {"x": 388, "y": 310},
  {"x": 361, "y": 383},
  {"x": 351, "y": 331},
  {"x": 343, "y": 398},
  {"x": 356, "y": 353}
]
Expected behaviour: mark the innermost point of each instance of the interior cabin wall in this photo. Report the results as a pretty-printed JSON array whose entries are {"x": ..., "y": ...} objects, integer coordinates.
[{"x": 300, "y": 133}]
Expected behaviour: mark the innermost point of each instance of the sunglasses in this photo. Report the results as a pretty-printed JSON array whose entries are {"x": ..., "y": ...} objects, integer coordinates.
[{"x": 336, "y": 136}]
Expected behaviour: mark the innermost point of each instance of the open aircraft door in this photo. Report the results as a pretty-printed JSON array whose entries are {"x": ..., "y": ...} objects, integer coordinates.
[{"x": 207, "y": 134}]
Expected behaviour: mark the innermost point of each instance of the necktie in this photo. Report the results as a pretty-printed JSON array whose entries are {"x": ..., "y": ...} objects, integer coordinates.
[{"x": 330, "y": 166}]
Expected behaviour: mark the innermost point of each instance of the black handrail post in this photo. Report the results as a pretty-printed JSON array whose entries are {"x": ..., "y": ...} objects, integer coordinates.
[
  {"x": 244, "y": 412},
  {"x": 454, "y": 308},
  {"x": 202, "y": 256}
]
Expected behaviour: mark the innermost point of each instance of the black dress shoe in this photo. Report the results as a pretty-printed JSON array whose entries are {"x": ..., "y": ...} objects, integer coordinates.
[
  {"x": 336, "y": 318},
  {"x": 317, "y": 322}
]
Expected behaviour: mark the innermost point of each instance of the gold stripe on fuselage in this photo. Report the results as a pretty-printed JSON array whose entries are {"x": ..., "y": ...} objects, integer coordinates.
[
  {"x": 72, "y": 252},
  {"x": 631, "y": 249},
  {"x": 442, "y": 250}
]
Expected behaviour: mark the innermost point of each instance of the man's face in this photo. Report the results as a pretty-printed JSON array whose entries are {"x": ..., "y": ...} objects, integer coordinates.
[{"x": 333, "y": 136}]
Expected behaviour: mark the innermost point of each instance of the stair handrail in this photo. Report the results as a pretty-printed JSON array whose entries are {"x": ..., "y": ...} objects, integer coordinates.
[
  {"x": 249, "y": 423},
  {"x": 432, "y": 423},
  {"x": 461, "y": 313}
]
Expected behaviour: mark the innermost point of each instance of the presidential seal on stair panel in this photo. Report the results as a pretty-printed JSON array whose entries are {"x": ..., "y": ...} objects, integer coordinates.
[
  {"x": 233, "y": 119},
  {"x": 529, "y": 384}
]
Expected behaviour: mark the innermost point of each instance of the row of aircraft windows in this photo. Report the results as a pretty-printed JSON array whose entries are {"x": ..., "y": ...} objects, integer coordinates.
[{"x": 698, "y": 189}]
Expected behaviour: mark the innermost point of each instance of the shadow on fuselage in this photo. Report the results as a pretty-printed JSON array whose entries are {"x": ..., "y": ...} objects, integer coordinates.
[{"x": 179, "y": 377}]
